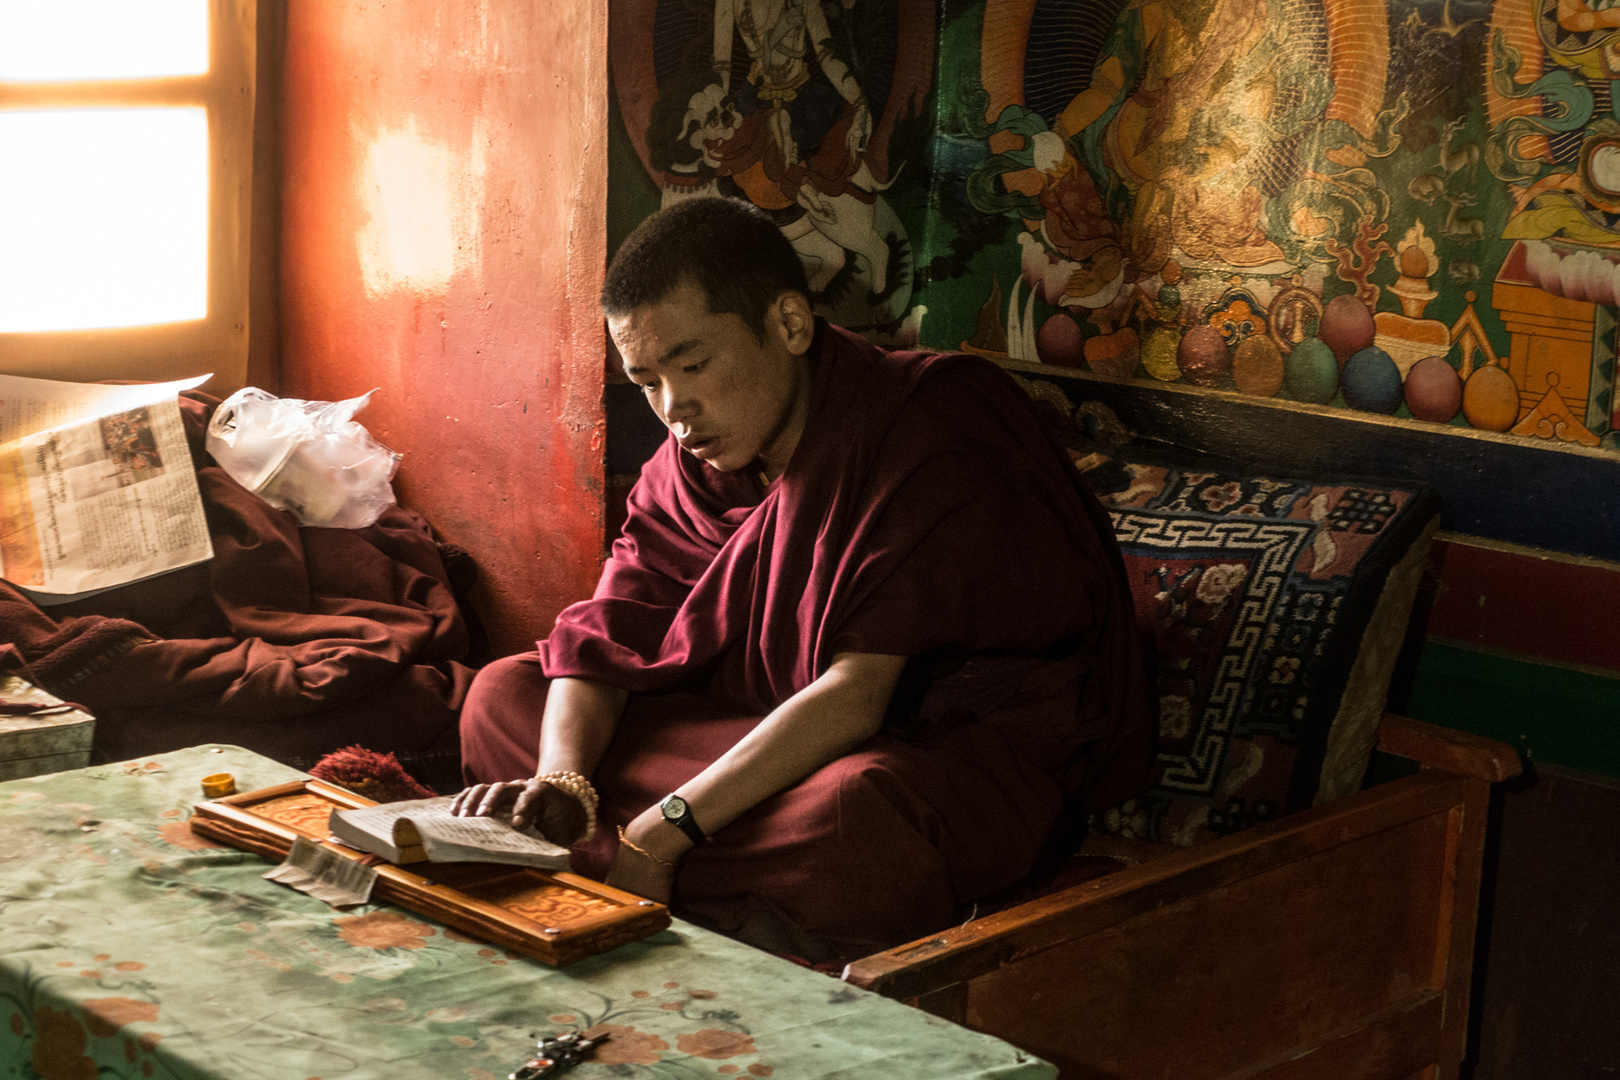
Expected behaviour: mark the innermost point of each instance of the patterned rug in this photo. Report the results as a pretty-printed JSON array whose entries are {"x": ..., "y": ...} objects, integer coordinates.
[{"x": 1258, "y": 590}]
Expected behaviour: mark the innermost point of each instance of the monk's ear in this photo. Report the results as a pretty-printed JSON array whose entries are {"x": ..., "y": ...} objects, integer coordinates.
[{"x": 793, "y": 320}]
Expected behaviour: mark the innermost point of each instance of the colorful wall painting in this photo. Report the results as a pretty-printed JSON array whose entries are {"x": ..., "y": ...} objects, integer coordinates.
[
  {"x": 1387, "y": 206},
  {"x": 812, "y": 111},
  {"x": 1406, "y": 210}
]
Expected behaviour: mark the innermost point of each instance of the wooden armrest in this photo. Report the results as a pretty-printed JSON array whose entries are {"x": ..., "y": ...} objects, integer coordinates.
[
  {"x": 1447, "y": 748},
  {"x": 1186, "y": 876}
]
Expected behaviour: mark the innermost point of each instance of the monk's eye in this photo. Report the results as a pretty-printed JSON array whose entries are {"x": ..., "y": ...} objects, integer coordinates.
[
  {"x": 693, "y": 369},
  {"x": 647, "y": 387}
]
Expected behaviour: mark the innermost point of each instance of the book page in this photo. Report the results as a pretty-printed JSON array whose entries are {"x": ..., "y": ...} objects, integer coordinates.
[
  {"x": 379, "y": 820},
  {"x": 101, "y": 502},
  {"x": 481, "y": 833},
  {"x": 325, "y": 875},
  {"x": 437, "y": 827}
]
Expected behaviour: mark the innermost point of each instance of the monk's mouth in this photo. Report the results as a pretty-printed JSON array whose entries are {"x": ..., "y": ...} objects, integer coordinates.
[{"x": 697, "y": 446}]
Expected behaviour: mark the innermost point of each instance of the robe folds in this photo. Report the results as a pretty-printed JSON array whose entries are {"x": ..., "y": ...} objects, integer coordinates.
[
  {"x": 926, "y": 512},
  {"x": 290, "y": 641}
]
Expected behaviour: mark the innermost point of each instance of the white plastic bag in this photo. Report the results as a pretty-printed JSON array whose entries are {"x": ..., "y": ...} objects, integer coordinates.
[{"x": 309, "y": 458}]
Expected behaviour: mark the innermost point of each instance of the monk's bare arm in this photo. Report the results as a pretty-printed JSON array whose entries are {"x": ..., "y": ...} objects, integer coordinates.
[
  {"x": 816, "y": 726},
  {"x": 580, "y": 719},
  {"x": 821, "y": 723}
]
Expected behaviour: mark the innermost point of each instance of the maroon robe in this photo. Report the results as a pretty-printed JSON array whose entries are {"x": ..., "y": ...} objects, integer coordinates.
[
  {"x": 290, "y": 641},
  {"x": 925, "y": 513}
]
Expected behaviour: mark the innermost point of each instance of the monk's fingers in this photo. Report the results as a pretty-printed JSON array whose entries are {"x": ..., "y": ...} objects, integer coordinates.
[
  {"x": 466, "y": 799},
  {"x": 524, "y": 809},
  {"x": 498, "y": 796},
  {"x": 561, "y": 818}
]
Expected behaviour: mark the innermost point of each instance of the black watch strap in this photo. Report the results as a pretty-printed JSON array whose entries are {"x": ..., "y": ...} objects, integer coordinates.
[{"x": 679, "y": 814}]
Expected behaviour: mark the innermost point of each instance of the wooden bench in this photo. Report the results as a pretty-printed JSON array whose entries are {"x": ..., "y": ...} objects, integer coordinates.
[{"x": 1336, "y": 942}]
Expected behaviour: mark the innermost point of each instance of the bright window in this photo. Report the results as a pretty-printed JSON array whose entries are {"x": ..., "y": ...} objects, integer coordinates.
[
  {"x": 103, "y": 218},
  {"x": 126, "y": 138},
  {"x": 74, "y": 40}
]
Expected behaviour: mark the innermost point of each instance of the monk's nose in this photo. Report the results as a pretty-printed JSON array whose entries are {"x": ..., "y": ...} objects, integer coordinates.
[{"x": 675, "y": 407}]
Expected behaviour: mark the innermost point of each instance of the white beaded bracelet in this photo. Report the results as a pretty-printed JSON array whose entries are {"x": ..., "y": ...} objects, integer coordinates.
[{"x": 580, "y": 788}]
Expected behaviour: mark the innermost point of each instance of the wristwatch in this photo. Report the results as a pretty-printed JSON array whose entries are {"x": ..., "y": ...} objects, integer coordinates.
[{"x": 678, "y": 814}]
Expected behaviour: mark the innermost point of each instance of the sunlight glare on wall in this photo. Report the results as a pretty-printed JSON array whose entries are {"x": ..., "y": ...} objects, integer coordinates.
[
  {"x": 103, "y": 218},
  {"x": 424, "y": 205},
  {"x": 56, "y": 40}
]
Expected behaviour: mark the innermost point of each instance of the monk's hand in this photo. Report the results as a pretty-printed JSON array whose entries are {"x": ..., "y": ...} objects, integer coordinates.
[
  {"x": 557, "y": 815},
  {"x": 645, "y": 864}
]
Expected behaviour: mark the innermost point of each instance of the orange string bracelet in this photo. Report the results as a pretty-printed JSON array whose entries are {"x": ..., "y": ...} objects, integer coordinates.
[{"x": 639, "y": 850}]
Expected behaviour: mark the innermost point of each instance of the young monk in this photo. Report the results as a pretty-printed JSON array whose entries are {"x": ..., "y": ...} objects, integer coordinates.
[{"x": 865, "y": 639}]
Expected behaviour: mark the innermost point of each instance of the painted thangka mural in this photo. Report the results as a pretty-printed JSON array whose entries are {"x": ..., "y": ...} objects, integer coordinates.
[
  {"x": 810, "y": 110},
  {"x": 1398, "y": 207},
  {"x": 1406, "y": 208}
]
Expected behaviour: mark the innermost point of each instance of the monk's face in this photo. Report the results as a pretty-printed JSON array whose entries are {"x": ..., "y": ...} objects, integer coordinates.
[{"x": 727, "y": 396}]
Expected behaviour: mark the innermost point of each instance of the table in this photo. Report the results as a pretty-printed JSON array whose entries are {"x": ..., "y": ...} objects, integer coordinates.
[{"x": 132, "y": 948}]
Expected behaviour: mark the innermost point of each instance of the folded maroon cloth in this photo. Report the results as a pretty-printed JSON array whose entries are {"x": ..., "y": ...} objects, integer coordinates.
[{"x": 290, "y": 641}]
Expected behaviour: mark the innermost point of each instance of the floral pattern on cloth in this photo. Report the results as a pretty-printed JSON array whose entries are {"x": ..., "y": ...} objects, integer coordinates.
[
  {"x": 1257, "y": 590},
  {"x": 132, "y": 948}
]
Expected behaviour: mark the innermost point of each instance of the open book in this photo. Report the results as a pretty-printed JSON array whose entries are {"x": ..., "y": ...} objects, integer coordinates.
[
  {"x": 97, "y": 487},
  {"x": 424, "y": 830}
]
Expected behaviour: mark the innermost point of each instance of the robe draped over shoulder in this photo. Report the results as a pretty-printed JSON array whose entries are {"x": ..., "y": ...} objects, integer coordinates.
[{"x": 926, "y": 512}]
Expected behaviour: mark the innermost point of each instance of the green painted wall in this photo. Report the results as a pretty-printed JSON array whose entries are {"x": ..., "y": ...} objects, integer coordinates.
[{"x": 1551, "y": 714}]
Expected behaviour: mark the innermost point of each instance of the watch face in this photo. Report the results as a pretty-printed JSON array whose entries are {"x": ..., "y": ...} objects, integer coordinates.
[{"x": 674, "y": 807}]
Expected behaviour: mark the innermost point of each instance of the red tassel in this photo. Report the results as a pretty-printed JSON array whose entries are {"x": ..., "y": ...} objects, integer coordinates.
[{"x": 371, "y": 775}]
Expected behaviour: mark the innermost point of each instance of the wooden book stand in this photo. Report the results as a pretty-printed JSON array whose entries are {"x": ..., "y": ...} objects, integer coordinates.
[{"x": 555, "y": 917}]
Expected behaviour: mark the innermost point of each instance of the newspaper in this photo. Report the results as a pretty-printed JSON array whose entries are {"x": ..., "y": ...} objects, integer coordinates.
[{"x": 97, "y": 487}]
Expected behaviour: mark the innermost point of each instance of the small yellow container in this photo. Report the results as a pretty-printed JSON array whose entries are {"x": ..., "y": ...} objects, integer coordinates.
[{"x": 219, "y": 785}]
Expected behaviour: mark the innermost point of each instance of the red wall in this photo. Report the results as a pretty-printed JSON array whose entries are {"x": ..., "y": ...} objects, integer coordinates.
[
  {"x": 444, "y": 178},
  {"x": 1538, "y": 606}
]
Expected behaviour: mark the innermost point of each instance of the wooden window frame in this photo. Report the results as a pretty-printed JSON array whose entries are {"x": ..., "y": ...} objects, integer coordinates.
[{"x": 219, "y": 341}]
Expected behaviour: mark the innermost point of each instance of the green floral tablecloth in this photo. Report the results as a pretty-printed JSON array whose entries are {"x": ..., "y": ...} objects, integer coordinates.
[{"x": 130, "y": 947}]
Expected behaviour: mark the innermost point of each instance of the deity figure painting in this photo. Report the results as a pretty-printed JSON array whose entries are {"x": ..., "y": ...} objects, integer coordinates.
[{"x": 793, "y": 105}]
